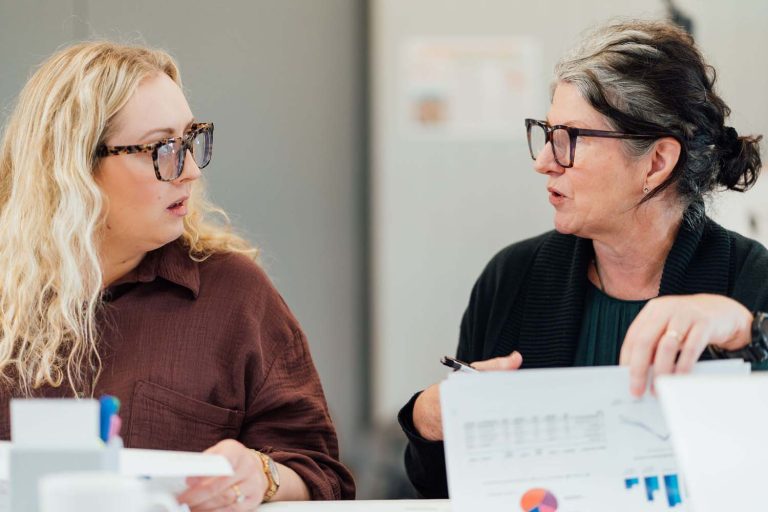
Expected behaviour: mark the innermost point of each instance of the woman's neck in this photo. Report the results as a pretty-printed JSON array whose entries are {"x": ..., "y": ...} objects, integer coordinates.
[
  {"x": 117, "y": 262},
  {"x": 629, "y": 263}
]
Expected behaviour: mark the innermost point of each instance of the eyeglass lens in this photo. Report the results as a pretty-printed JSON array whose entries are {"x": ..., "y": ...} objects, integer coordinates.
[
  {"x": 561, "y": 143},
  {"x": 170, "y": 157}
]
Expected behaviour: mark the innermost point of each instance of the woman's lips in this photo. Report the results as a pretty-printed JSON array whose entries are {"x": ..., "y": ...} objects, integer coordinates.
[
  {"x": 179, "y": 208},
  {"x": 555, "y": 197}
]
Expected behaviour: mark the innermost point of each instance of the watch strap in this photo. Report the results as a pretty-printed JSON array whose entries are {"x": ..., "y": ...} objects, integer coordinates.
[
  {"x": 757, "y": 350},
  {"x": 270, "y": 471}
]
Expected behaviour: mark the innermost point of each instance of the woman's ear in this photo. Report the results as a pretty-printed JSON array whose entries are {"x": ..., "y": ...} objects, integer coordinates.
[{"x": 664, "y": 157}]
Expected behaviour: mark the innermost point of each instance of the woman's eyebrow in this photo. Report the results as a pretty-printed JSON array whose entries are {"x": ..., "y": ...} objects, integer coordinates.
[
  {"x": 166, "y": 131},
  {"x": 573, "y": 123}
]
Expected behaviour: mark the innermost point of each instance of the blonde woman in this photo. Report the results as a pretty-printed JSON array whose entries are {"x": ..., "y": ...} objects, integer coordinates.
[{"x": 114, "y": 280}]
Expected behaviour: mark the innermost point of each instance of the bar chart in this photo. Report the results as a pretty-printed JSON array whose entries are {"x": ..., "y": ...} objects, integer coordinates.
[{"x": 661, "y": 490}]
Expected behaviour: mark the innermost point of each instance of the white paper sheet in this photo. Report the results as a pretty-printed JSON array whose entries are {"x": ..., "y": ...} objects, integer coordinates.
[
  {"x": 565, "y": 440},
  {"x": 167, "y": 470},
  {"x": 161, "y": 463},
  {"x": 719, "y": 426}
]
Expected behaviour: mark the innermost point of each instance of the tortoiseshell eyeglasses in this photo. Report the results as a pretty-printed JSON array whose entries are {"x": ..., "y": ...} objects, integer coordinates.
[
  {"x": 563, "y": 139},
  {"x": 168, "y": 154}
]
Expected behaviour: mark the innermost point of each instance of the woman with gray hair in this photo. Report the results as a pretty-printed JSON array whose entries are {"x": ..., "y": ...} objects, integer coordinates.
[{"x": 634, "y": 142}]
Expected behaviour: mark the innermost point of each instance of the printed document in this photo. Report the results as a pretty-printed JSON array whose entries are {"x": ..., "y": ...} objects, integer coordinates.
[{"x": 560, "y": 440}]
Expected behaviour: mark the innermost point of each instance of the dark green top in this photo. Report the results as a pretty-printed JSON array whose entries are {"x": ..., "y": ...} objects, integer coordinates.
[{"x": 603, "y": 327}]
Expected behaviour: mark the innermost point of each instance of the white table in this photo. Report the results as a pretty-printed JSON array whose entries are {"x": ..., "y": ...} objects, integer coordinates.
[{"x": 359, "y": 506}]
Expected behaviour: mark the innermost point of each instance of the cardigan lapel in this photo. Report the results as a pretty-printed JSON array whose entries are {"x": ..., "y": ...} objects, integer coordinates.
[
  {"x": 699, "y": 261},
  {"x": 549, "y": 312}
]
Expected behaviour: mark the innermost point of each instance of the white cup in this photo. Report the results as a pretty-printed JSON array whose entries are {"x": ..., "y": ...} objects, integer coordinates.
[{"x": 100, "y": 491}]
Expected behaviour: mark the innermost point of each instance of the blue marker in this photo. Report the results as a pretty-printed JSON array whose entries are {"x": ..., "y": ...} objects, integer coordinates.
[{"x": 109, "y": 407}]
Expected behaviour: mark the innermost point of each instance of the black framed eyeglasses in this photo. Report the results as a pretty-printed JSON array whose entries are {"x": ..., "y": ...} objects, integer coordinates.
[
  {"x": 563, "y": 139},
  {"x": 168, "y": 154}
]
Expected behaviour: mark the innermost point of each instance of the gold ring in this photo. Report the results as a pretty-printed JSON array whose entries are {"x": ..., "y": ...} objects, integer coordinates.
[{"x": 239, "y": 496}]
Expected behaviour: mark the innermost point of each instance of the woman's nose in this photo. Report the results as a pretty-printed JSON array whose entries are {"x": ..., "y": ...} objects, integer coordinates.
[
  {"x": 190, "y": 171},
  {"x": 545, "y": 161}
]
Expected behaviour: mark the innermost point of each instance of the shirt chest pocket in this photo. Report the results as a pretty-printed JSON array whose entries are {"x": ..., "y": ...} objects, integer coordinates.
[{"x": 163, "y": 419}]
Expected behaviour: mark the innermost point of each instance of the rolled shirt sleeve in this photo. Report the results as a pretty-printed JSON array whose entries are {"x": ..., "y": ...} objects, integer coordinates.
[{"x": 288, "y": 418}]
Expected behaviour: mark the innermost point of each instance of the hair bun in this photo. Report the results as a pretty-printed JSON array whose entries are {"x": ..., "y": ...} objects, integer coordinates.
[
  {"x": 739, "y": 160},
  {"x": 729, "y": 141}
]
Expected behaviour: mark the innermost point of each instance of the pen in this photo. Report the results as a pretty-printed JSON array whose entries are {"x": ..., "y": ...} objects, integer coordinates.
[{"x": 458, "y": 366}]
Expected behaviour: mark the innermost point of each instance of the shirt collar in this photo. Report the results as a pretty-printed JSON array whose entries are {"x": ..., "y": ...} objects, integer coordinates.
[{"x": 170, "y": 262}]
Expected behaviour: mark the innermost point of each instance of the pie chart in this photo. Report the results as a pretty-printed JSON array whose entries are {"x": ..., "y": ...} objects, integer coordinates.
[{"x": 538, "y": 500}]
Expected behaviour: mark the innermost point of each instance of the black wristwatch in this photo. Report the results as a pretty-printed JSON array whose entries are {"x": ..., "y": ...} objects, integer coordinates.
[{"x": 757, "y": 350}]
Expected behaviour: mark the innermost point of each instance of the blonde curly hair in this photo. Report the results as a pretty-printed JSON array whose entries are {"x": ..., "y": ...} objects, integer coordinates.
[{"x": 52, "y": 212}]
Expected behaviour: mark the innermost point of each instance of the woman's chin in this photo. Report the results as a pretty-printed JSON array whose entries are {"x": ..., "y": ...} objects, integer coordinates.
[
  {"x": 165, "y": 237},
  {"x": 564, "y": 226}
]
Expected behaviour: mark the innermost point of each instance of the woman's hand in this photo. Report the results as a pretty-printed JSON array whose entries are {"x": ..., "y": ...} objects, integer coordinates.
[
  {"x": 243, "y": 491},
  {"x": 671, "y": 332},
  {"x": 426, "y": 410}
]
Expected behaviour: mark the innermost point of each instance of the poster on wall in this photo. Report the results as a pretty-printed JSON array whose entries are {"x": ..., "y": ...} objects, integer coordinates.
[{"x": 469, "y": 87}]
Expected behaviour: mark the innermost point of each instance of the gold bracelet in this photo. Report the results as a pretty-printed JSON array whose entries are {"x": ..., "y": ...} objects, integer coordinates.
[{"x": 271, "y": 472}]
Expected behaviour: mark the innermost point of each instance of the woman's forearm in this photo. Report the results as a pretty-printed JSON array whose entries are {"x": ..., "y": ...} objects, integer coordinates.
[{"x": 292, "y": 487}]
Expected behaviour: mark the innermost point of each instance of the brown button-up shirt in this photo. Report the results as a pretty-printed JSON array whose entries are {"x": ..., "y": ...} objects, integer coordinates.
[{"x": 198, "y": 352}]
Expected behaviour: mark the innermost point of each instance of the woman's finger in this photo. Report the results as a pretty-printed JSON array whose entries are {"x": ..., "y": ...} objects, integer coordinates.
[
  {"x": 222, "y": 501},
  {"x": 252, "y": 490},
  {"x": 248, "y": 505},
  {"x": 641, "y": 358},
  {"x": 211, "y": 489},
  {"x": 249, "y": 490},
  {"x": 667, "y": 349},
  {"x": 211, "y": 493},
  {"x": 511, "y": 362},
  {"x": 695, "y": 343}
]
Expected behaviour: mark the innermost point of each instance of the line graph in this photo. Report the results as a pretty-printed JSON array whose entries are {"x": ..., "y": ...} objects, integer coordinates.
[{"x": 626, "y": 420}]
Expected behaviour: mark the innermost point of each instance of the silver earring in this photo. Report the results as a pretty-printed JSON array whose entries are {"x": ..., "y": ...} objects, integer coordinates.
[{"x": 645, "y": 190}]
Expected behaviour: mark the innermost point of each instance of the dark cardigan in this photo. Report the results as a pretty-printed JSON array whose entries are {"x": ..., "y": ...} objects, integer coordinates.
[{"x": 530, "y": 298}]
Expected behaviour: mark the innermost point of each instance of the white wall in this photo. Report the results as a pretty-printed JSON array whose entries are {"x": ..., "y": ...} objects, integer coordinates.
[
  {"x": 734, "y": 40},
  {"x": 444, "y": 205}
]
